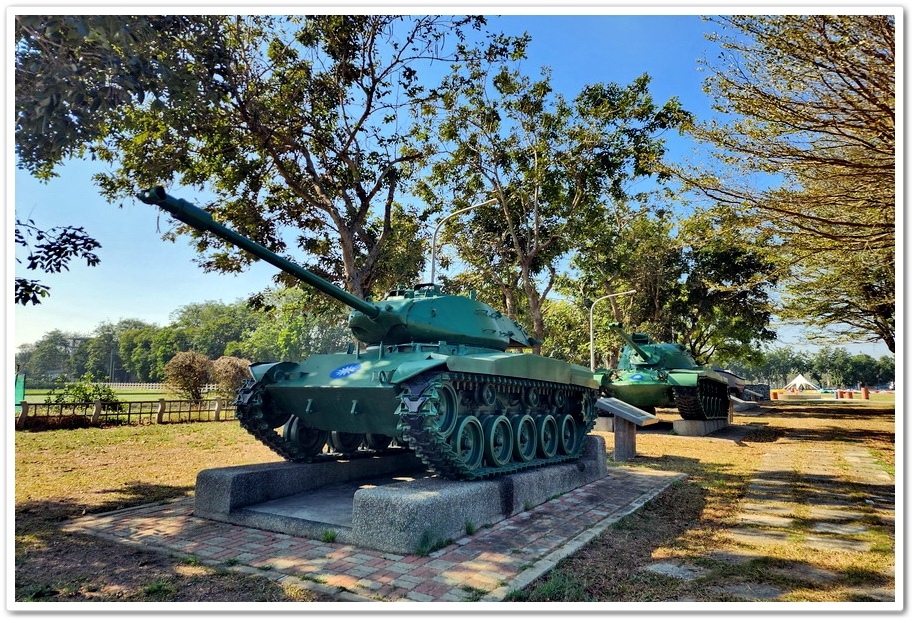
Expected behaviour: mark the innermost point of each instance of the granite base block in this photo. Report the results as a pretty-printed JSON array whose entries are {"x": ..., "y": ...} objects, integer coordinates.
[{"x": 399, "y": 514}]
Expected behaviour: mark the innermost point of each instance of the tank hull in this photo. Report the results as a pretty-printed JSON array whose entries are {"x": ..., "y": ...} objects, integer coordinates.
[
  {"x": 467, "y": 412},
  {"x": 642, "y": 394},
  {"x": 439, "y": 381}
]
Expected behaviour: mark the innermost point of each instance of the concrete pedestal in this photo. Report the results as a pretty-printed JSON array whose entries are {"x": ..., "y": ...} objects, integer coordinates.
[
  {"x": 698, "y": 428},
  {"x": 404, "y": 510}
]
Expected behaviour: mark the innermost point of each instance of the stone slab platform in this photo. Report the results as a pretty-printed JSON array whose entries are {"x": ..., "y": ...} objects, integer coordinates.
[
  {"x": 391, "y": 504},
  {"x": 698, "y": 428}
]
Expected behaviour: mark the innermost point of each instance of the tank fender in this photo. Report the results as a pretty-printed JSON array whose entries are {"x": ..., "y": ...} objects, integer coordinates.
[
  {"x": 271, "y": 372},
  {"x": 689, "y": 378},
  {"x": 411, "y": 369}
]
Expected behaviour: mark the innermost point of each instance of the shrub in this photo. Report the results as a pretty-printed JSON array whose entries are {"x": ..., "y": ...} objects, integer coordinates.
[
  {"x": 229, "y": 373},
  {"x": 186, "y": 374},
  {"x": 85, "y": 389}
]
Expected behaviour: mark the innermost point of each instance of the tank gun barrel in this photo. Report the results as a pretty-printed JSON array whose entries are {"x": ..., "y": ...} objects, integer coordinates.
[
  {"x": 616, "y": 326},
  {"x": 199, "y": 219}
]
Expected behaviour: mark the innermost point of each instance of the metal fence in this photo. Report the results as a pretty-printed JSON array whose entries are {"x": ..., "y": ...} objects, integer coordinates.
[
  {"x": 41, "y": 416},
  {"x": 159, "y": 387}
]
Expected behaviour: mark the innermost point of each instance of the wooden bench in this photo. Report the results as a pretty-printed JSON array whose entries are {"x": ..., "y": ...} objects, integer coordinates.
[{"x": 626, "y": 419}]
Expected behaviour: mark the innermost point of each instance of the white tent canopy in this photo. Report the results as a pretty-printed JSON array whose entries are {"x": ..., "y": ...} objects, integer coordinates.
[{"x": 800, "y": 382}]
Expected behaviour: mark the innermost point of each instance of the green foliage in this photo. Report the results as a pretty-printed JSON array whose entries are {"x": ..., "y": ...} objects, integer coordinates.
[
  {"x": 135, "y": 346},
  {"x": 547, "y": 161},
  {"x": 52, "y": 251},
  {"x": 293, "y": 323},
  {"x": 48, "y": 358},
  {"x": 849, "y": 297},
  {"x": 567, "y": 336},
  {"x": 159, "y": 588},
  {"x": 807, "y": 141},
  {"x": 329, "y": 536},
  {"x": 87, "y": 388},
  {"x": 558, "y": 586},
  {"x": 696, "y": 283},
  {"x": 187, "y": 372},
  {"x": 210, "y": 327},
  {"x": 828, "y": 367},
  {"x": 290, "y": 121},
  {"x": 73, "y": 71}
]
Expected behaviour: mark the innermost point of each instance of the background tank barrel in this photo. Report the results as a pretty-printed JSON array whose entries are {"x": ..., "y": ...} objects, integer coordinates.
[
  {"x": 197, "y": 218},
  {"x": 616, "y": 326}
]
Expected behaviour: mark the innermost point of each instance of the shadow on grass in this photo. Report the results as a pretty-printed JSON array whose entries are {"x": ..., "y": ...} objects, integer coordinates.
[
  {"x": 55, "y": 565},
  {"x": 40, "y": 516},
  {"x": 832, "y": 411}
]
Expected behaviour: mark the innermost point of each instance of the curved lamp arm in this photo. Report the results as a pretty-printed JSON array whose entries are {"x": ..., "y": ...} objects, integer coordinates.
[
  {"x": 432, "y": 260},
  {"x": 591, "y": 323}
]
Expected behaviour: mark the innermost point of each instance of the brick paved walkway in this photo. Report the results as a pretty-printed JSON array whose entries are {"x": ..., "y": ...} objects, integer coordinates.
[{"x": 485, "y": 566}]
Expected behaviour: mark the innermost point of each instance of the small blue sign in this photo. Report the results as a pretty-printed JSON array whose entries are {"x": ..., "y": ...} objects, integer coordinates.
[
  {"x": 636, "y": 377},
  {"x": 346, "y": 370}
]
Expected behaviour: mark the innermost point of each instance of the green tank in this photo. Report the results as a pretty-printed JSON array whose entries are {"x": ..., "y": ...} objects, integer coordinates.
[
  {"x": 651, "y": 375},
  {"x": 440, "y": 375}
]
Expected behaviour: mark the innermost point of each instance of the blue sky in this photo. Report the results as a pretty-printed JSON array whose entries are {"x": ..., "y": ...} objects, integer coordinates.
[{"x": 141, "y": 276}]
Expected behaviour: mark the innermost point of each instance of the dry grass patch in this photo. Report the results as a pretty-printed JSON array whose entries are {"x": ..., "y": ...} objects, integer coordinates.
[
  {"x": 689, "y": 524},
  {"x": 61, "y": 475}
]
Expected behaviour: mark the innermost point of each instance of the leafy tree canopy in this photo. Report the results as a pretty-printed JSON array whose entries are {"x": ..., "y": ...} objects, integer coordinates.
[
  {"x": 547, "y": 162},
  {"x": 290, "y": 121},
  {"x": 806, "y": 143}
]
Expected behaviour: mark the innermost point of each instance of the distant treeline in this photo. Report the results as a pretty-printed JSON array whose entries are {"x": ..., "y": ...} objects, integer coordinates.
[{"x": 290, "y": 330}]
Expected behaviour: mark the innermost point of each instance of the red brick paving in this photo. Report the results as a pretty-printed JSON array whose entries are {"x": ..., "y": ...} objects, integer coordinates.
[{"x": 486, "y": 565}]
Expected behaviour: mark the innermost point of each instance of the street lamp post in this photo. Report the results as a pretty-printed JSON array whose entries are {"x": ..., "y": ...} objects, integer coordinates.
[
  {"x": 432, "y": 260},
  {"x": 591, "y": 322}
]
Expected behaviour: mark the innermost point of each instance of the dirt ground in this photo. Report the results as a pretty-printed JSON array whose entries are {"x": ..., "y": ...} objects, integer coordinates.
[{"x": 103, "y": 473}]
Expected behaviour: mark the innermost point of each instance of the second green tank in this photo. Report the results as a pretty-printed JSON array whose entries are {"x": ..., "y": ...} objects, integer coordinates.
[{"x": 651, "y": 375}]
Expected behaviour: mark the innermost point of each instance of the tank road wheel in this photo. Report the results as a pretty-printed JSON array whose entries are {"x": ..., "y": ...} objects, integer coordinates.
[
  {"x": 345, "y": 443},
  {"x": 525, "y": 435},
  {"x": 377, "y": 442},
  {"x": 447, "y": 407},
  {"x": 568, "y": 434},
  {"x": 498, "y": 435},
  {"x": 468, "y": 442},
  {"x": 558, "y": 400},
  {"x": 310, "y": 440},
  {"x": 548, "y": 436}
]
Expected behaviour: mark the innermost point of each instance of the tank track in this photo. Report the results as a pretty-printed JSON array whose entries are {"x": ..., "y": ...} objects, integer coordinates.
[
  {"x": 250, "y": 413},
  {"x": 707, "y": 401},
  {"x": 420, "y": 412}
]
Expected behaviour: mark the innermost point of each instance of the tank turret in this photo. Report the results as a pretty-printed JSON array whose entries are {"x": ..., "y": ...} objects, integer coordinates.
[
  {"x": 641, "y": 351},
  {"x": 437, "y": 378},
  {"x": 651, "y": 375}
]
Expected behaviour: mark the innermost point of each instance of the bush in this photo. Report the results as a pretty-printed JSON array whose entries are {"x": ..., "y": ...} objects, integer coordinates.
[
  {"x": 229, "y": 373},
  {"x": 186, "y": 374},
  {"x": 85, "y": 389}
]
